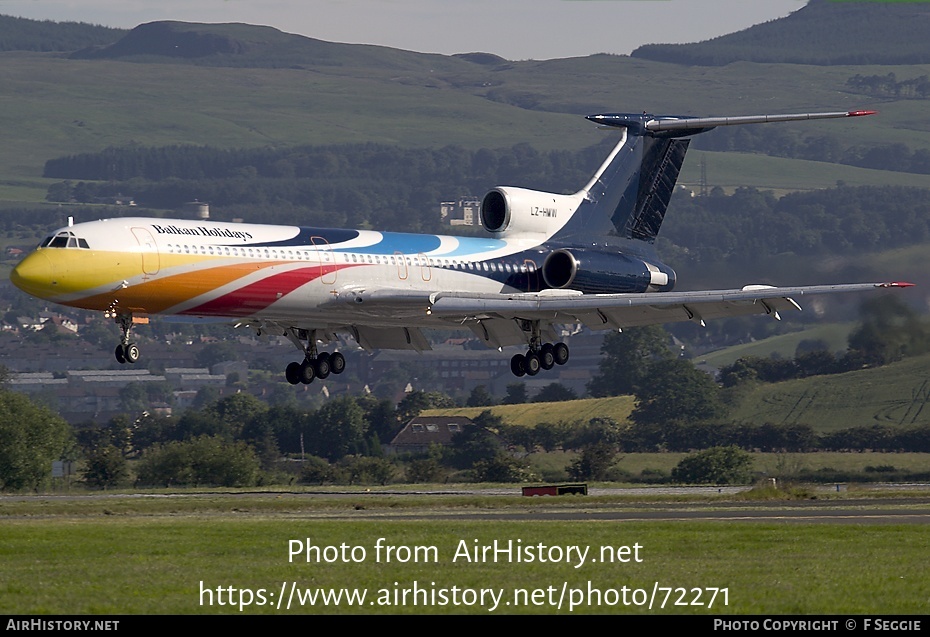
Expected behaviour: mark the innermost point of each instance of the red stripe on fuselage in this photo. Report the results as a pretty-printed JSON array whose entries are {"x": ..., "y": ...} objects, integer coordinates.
[{"x": 257, "y": 296}]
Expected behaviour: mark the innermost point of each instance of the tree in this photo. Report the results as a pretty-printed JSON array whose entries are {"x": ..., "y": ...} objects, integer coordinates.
[
  {"x": 471, "y": 444},
  {"x": 593, "y": 462},
  {"x": 338, "y": 427},
  {"x": 365, "y": 470},
  {"x": 674, "y": 390},
  {"x": 106, "y": 467},
  {"x": 31, "y": 438},
  {"x": 237, "y": 410},
  {"x": 219, "y": 352},
  {"x": 501, "y": 468},
  {"x": 554, "y": 393},
  {"x": 626, "y": 356},
  {"x": 480, "y": 397},
  {"x": 717, "y": 465},
  {"x": 206, "y": 460},
  {"x": 516, "y": 394}
]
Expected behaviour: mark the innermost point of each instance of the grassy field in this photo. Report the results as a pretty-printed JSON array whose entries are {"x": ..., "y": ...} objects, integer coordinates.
[
  {"x": 531, "y": 414},
  {"x": 53, "y": 106},
  {"x": 896, "y": 394},
  {"x": 784, "y": 345},
  {"x": 764, "y": 464},
  {"x": 892, "y": 395},
  {"x": 155, "y": 562}
]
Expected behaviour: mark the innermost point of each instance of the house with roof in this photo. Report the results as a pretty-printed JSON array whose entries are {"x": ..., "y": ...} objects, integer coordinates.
[{"x": 424, "y": 431}]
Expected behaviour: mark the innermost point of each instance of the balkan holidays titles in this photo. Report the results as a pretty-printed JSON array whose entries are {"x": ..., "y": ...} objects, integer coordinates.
[{"x": 202, "y": 231}]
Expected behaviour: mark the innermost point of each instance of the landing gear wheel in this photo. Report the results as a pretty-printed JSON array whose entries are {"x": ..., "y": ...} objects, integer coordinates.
[
  {"x": 518, "y": 365},
  {"x": 321, "y": 367},
  {"x": 337, "y": 363},
  {"x": 131, "y": 353},
  {"x": 532, "y": 364},
  {"x": 120, "y": 354},
  {"x": 324, "y": 356},
  {"x": 292, "y": 373},
  {"x": 307, "y": 373},
  {"x": 560, "y": 351},
  {"x": 547, "y": 356}
]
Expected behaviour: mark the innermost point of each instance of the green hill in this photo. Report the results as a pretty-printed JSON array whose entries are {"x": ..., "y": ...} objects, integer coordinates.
[
  {"x": 531, "y": 414},
  {"x": 897, "y": 394},
  {"x": 246, "y": 45},
  {"x": 823, "y": 32}
]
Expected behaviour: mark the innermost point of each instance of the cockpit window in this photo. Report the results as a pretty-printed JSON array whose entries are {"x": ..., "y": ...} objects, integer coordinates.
[
  {"x": 46, "y": 241},
  {"x": 65, "y": 240}
]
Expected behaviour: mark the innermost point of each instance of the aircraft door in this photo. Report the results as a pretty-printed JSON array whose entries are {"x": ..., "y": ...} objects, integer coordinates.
[
  {"x": 326, "y": 260},
  {"x": 151, "y": 262},
  {"x": 425, "y": 271},
  {"x": 401, "y": 266},
  {"x": 532, "y": 275}
]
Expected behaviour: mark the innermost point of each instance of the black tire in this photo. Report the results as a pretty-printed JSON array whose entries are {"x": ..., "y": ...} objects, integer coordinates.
[
  {"x": 120, "y": 354},
  {"x": 546, "y": 358},
  {"x": 132, "y": 353},
  {"x": 307, "y": 373},
  {"x": 337, "y": 363},
  {"x": 560, "y": 351},
  {"x": 292, "y": 373},
  {"x": 532, "y": 364},
  {"x": 518, "y": 365},
  {"x": 323, "y": 356},
  {"x": 321, "y": 367}
]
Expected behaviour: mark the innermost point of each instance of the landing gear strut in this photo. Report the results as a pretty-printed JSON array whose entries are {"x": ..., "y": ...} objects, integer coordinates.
[
  {"x": 539, "y": 356},
  {"x": 315, "y": 365},
  {"x": 126, "y": 351}
]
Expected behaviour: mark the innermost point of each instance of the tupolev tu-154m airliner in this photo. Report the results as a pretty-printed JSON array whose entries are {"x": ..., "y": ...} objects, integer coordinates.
[{"x": 550, "y": 259}]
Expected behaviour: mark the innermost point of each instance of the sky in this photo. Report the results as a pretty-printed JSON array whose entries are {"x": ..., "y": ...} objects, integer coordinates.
[{"x": 514, "y": 29}]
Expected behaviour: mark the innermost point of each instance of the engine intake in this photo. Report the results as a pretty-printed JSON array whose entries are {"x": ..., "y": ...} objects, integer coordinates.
[
  {"x": 507, "y": 211},
  {"x": 594, "y": 272}
]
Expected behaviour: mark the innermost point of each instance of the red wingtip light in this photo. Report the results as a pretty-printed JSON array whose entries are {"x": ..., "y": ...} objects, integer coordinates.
[
  {"x": 860, "y": 113},
  {"x": 898, "y": 284}
]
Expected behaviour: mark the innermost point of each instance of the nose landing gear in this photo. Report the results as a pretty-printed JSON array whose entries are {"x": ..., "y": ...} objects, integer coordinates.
[{"x": 126, "y": 351}]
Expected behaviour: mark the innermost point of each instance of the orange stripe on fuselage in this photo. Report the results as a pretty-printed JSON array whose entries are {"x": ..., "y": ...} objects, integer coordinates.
[{"x": 159, "y": 294}]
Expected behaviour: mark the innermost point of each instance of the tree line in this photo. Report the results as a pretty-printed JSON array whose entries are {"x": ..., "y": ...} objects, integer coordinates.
[
  {"x": 22, "y": 34},
  {"x": 387, "y": 187}
]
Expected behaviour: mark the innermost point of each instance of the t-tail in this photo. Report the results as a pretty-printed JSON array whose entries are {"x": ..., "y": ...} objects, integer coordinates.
[{"x": 625, "y": 201}]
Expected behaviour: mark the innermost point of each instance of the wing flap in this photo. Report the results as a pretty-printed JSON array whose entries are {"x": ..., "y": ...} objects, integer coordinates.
[{"x": 605, "y": 311}]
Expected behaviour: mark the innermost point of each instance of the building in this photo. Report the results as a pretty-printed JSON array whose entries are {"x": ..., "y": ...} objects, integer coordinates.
[
  {"x": 422, "y": 432},
  {"x": 464, "y": 212}
]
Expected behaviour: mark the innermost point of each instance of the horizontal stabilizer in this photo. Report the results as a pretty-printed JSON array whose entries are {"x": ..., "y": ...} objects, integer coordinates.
[{"x": 693, "y": 125}]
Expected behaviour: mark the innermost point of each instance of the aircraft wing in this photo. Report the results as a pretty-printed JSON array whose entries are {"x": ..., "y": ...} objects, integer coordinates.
[
  {"x": 495, "y": 317},
  {"x": 606, "y": 311}
]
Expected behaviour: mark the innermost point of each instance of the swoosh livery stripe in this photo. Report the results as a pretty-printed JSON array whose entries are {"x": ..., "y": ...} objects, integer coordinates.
[{"x": 257, "y": 296}]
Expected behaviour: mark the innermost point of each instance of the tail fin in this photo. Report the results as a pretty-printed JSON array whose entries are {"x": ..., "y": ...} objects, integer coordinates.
[{"x": 628, "y": 195}]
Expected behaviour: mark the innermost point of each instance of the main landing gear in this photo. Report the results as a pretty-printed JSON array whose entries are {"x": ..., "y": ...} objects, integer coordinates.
[
  {"x": 545, "y": 357},
  {"x": 540, "y": 356},
  {"x": 314, "y": 365},
  {"x": 126, "y": 351}
]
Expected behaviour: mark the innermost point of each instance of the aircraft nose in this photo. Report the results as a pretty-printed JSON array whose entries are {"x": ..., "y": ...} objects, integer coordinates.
[{"x": 34, "y": 275}]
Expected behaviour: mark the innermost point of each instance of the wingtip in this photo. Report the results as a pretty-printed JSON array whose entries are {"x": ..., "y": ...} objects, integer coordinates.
[
  {"x": 896, "y": 284},
  {"x": 860, "y": 113}
]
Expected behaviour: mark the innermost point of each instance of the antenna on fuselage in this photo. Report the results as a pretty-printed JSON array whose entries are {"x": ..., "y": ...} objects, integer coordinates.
[{"x": 70, "y": 221}]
